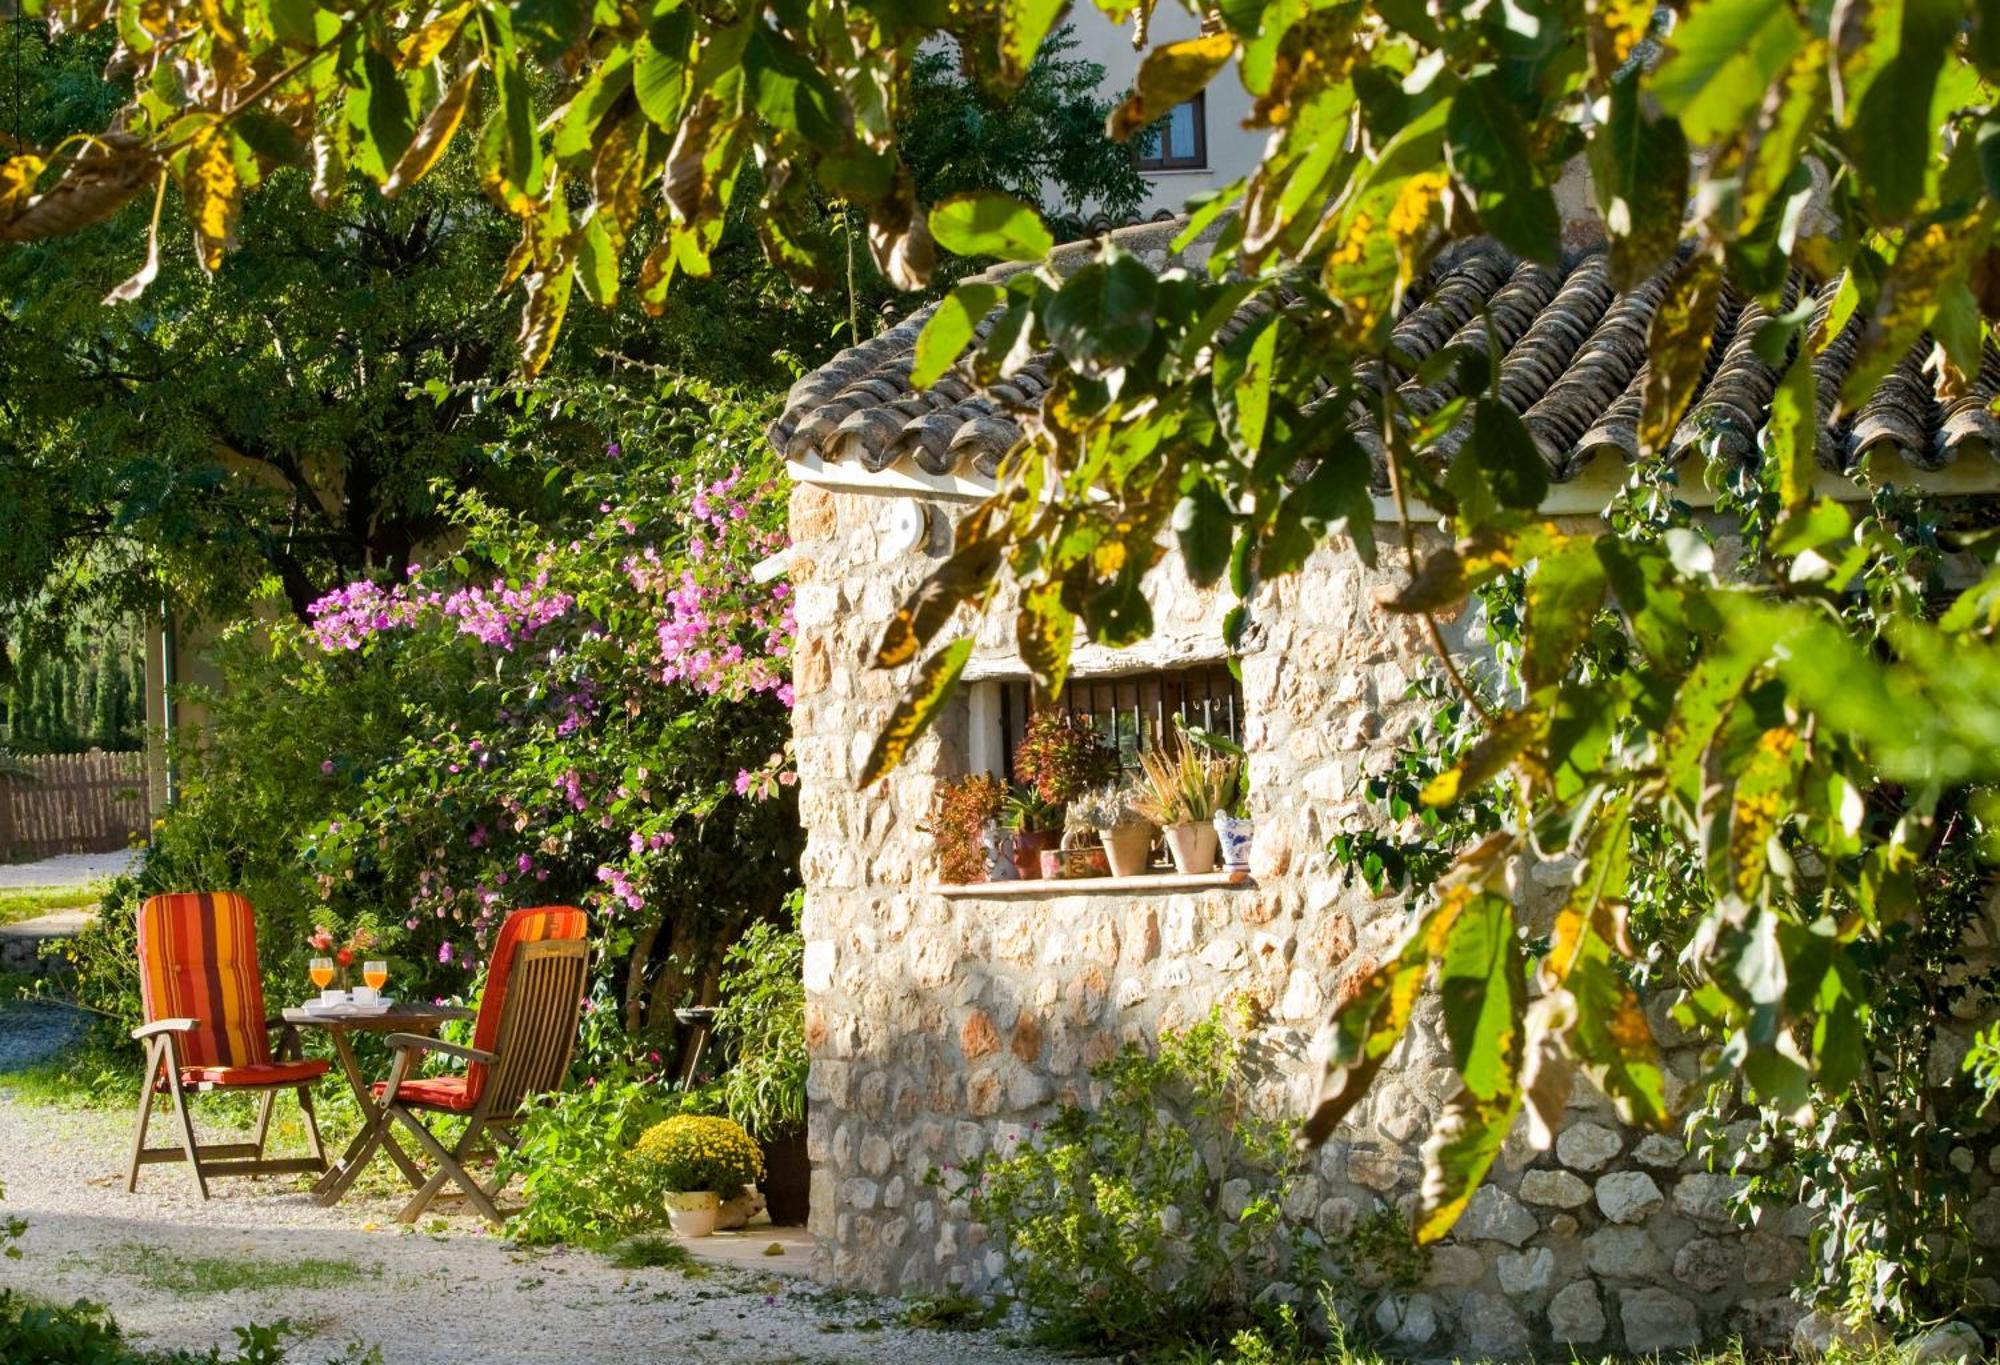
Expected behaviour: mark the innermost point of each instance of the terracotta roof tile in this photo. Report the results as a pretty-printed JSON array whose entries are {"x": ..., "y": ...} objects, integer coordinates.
[{"x": 1572, "y": 363}]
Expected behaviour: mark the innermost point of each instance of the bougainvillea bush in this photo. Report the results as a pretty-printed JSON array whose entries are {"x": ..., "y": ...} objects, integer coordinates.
[{"x": 590, "y": 708}]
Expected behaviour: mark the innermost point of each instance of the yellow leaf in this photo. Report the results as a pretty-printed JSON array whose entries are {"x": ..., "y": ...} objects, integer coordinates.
[
  {"x": 433, "y": 136},
  {"x": 17, "y": 181},
  {"x": 213, "y": 193},
  {"x": 425, "y": 45}
]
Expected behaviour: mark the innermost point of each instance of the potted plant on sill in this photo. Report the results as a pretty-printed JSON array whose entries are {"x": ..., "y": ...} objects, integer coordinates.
[
  {"x": 1037, "y": 827},
  {"x": 1234, "y": 829},
  {"x": 1125, "y": 834},
  {"x": 1083, "y": 852},
  {"x": 1181, "y": 788},
  {"x": 762, "y": 1021},
  {"x": 697, "y": 1161},
  {"x": 964, "y": 812},
  {"x": 1059, "y": 760}
]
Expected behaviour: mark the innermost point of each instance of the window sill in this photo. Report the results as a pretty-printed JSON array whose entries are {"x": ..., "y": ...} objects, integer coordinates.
[{"x": 1159, "y": 883}]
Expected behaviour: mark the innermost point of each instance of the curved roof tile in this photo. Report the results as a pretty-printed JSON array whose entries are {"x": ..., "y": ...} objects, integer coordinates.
[{"x": 1572, "y": 363}]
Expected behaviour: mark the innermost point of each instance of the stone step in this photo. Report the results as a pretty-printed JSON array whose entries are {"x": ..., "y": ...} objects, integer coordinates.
[{"x": 21, "y": 942}]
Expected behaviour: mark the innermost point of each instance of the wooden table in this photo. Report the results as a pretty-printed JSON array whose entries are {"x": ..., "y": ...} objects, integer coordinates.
[{"x": 401, "y": 1017}]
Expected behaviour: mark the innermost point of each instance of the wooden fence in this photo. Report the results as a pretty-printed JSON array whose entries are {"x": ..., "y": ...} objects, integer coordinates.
[{"x": 73, "y": 803}]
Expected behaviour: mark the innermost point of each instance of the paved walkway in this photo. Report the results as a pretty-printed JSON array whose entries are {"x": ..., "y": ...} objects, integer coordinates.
[{"x": 68, "y": 869}]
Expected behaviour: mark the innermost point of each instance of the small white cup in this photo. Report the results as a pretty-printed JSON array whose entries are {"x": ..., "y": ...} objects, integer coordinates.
[
  {"x": 332, "y": 997},
  {"x": 366, "y": 995}
]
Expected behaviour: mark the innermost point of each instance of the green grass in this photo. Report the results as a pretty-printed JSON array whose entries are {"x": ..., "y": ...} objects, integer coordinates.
[
  {"x": 30, "y": 902},
  {"x": 656, "y": 1253},
  {"x": 173, "y": 1274}
]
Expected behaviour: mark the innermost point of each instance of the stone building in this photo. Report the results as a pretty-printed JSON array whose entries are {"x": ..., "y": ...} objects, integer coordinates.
[{"x": 945, "y": 1020}]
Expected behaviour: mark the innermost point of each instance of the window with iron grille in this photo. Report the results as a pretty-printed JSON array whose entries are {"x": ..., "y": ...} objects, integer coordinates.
[{"x": 1133, "y": 710}]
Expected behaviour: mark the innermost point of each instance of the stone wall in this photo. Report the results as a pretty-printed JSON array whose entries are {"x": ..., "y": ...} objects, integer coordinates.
[{"x": 942, "y": 1025}]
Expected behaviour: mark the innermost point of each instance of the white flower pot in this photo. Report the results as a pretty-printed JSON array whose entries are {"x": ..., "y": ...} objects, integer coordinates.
[
  {"x": 1193, "y": 847},
  {"x": 692, "y": 1213}
]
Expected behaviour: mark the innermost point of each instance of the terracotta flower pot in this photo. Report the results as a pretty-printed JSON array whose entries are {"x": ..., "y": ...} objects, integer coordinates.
[
  {"x": 691, "y": 1213},
  {"x": 1051, "y": 863},
  {"x": 1193, "y": 847},
  {"x": 1028, "y": 849},
  {"x": 1129, "y": 849}
]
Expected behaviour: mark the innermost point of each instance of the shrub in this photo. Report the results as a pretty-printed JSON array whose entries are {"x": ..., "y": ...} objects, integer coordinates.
[
  {"x": 690, "y": 1153},
  {"x": 763, "y": 1020},
  {"x": 1114, "y": 1222},
  {"x": 588, "y": 707},
  {"x": 572, "y": 1154}
]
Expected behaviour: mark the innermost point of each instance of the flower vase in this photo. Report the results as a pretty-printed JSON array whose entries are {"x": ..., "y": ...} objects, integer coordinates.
[
  {"x": 692, "y": 1213},
  {"x": 1193, "y": 846},
  {"x": 1234, "y": 834}
]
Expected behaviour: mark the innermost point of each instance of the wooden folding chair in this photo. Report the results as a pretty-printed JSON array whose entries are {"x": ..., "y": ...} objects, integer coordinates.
[
  {"x": 521, "y": 1045},
  {"x": 205, "y": 1030}
]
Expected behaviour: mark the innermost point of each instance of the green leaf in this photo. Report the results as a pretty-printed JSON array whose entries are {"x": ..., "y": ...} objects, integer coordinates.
[
  {"x": 1102, "y": 317},
  {"x": 950, "y": 329},
  {"x": 1044, "y": 631},
  {"x": 1509, "y": 455},
  {"x": 576, "y": 127},
  {"x": 1460, "y": 1150},
  {"x": 1242, "y": 376},
  {"x": 378, "y": 111},
  {"x": 1023, "y": 25},
  {"x": 1565, "y": 589},
  {"x": 1612, "y": 1040},
  {"x": 1893, "y": 135},
  {"x": 1480, "y": 986},
  {"x": 1205, "y": 525},
  {"x": 1793, "y": 433},
  {"x": 988, "y": 223},
  {"x": 914, "y": 713},
  {"x": 551, "y": 27},
  {"x": 1366, "y": 1029},
  {"x": 789, "y": 91},
  {"x": 1488, "y": 142},
  {"x": 1333, "y": 499},
  {"x": 1722, "y": 58},
  {"x": 597, "y": 262},
  {"x": 1169, "y": 76},
  {"x": 660, "y": 68},
  {"x": 1639, "y": 169}
]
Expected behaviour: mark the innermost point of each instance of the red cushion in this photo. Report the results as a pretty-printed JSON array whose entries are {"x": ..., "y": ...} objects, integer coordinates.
[
  {"x": 267, "y": 1073},
  {"x": 432, "y": 1092}
]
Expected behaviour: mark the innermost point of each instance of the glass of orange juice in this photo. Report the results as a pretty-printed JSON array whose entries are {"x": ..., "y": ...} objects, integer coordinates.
[
  {"x": 374, "y": 974},
  {"x": 322, "y": 972}
]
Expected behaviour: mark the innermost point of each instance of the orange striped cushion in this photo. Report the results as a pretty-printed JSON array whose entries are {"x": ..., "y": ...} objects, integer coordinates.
[
  {"x": 523, "y": 926},
  {"x": 198, "y": 960}
]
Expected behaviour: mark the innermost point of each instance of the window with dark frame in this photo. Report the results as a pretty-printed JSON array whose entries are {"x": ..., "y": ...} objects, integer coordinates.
[
  {"x": 1133, "y": 710},
  {"x": 1179, "y": 142}
]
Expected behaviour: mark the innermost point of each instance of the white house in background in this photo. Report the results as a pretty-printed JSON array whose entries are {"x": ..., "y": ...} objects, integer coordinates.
[{"x": 1204, "y": 144}]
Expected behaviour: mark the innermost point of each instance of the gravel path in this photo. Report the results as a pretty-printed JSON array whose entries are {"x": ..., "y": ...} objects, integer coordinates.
[
  {"x": 449, "y": 1291},
  {"x": 33, "y": 1029},
  {"x": 68, "y": 869}
]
